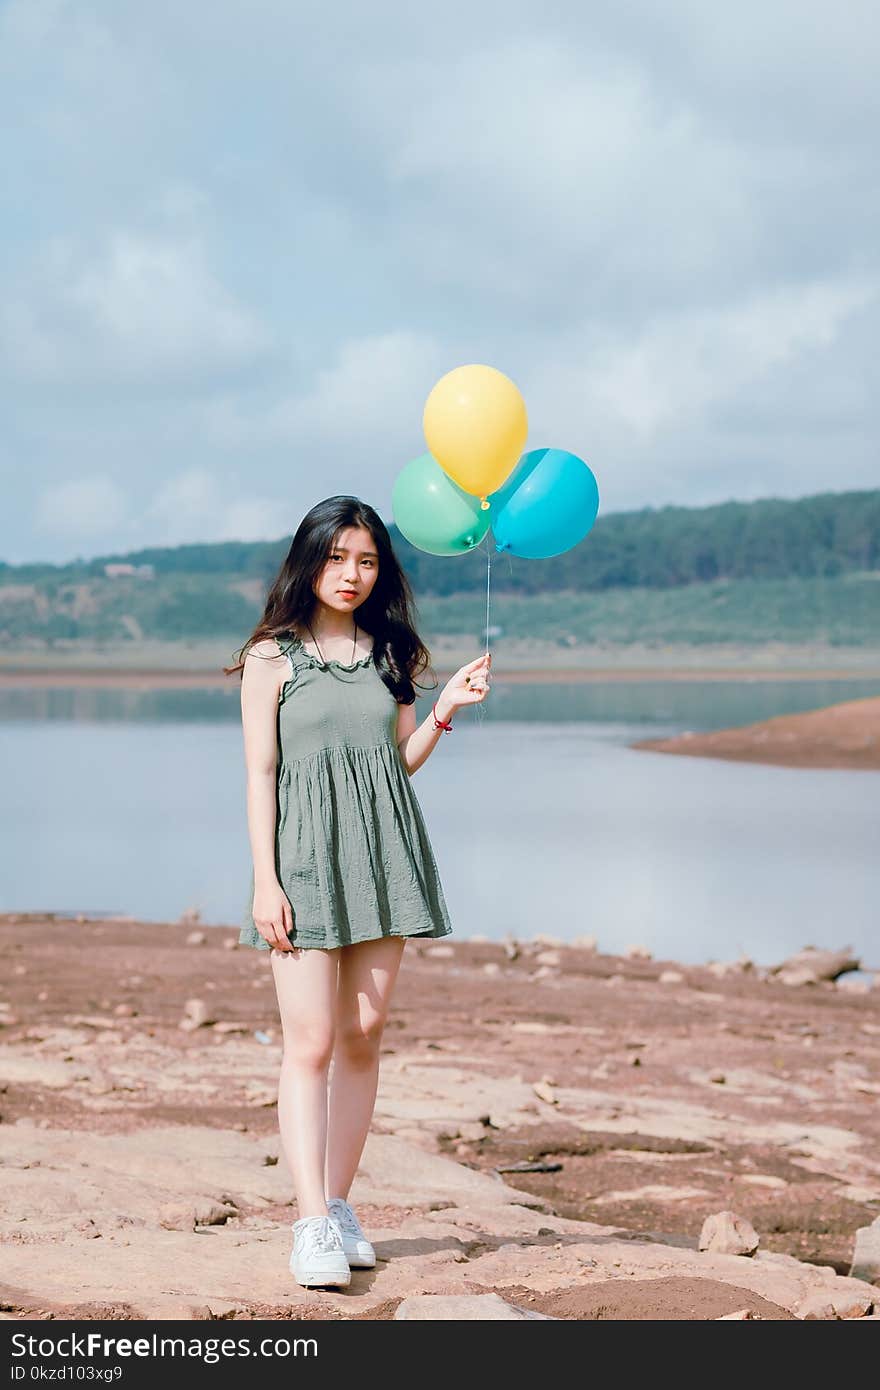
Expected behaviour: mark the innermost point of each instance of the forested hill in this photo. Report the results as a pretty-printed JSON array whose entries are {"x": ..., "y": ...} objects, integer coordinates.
[{"x": 822, "y": 536}]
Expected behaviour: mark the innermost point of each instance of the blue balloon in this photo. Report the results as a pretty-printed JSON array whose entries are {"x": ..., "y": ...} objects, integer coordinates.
[{"x": 546, "y": 506}]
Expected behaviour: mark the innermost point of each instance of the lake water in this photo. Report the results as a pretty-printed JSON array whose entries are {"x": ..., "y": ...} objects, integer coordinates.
[{"x": 542, "y": 819}]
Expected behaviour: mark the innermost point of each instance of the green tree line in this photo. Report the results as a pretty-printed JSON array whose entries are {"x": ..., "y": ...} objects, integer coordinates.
[
  {"x": 657, "y": 548},
  {"x": 769, "y": 570}
]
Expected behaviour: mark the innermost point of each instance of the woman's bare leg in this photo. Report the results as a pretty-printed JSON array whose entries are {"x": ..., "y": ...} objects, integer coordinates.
[
  {"x": 367, "y": 972},
  {"x": 306, "y": 984}
]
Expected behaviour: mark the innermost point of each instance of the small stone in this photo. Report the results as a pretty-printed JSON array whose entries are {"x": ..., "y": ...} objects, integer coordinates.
[
  {"x": 196, "y": 938},
  {"x": 471, "y": 1131},
  {"x": 548, "y": 958},
  {"x": 197, "y": 1014},
  {"x": 491, "y": 967},
  {"x": 176, "y": 1216},
  {"x": 258, "y": 1095},
  {"x": 866, "y": 1256},
  {"x": 185, "y": 1216},
  {"x": 674, "y": 977},
  {"x": 797, "y": 976},
  {"x": 638, "y": 953},
  {"x": 220, "y": 1308},
  {"x": 545, "y": 1092},
  {"x": 726, "y": 1233}
]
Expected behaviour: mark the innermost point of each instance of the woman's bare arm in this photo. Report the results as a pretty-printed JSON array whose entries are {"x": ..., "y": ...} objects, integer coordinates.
[
  {"x": 416, "y": 743},
  {"x": 469, "y": 686},
  {"x": 264, "y": 670}
]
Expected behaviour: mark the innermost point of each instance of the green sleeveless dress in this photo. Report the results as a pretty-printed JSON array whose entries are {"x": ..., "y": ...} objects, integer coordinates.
[{"x": 351, "y": 847}]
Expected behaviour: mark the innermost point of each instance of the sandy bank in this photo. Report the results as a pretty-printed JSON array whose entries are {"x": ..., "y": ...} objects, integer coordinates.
[{"x": 842, "y": 736}]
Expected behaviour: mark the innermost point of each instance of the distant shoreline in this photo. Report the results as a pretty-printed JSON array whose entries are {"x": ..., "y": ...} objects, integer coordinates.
[{"x": 156, "y": 679}]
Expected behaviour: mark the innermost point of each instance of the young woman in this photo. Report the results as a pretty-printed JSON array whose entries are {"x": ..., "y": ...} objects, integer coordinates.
[{"x": 343, "y": 870}]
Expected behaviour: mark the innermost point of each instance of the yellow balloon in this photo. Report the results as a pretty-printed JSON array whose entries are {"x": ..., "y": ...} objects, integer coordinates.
[{"x": 476, "y": 426}]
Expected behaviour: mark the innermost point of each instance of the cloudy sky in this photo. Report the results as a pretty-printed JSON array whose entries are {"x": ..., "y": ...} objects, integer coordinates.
[{"x": 241, "y": 241}]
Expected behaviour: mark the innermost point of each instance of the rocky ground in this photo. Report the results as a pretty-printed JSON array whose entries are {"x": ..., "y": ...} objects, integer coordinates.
[{"x": 553, "y": 1125}]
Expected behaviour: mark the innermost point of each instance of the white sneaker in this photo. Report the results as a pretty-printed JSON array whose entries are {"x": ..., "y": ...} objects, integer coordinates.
[
  {"x": 358, "y": 1250},
  {"x": 318, "y": 1256}
]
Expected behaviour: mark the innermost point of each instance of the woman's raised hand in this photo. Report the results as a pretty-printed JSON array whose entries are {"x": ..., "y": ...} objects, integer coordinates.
[{"x": 469, "y": 685}]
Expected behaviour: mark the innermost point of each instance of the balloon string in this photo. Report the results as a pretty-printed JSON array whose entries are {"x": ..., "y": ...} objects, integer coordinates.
[
  {"x": 479, "y": 709},
  {"x": 488, "y": 576}
]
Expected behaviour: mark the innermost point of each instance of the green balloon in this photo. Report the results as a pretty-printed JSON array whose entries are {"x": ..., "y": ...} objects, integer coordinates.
[{"x": 433, "y": 512}]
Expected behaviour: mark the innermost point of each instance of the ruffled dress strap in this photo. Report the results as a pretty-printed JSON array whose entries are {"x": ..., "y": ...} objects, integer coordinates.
[
  {"x": 287, "y": 641},
  {"x": 288, "y": 645}
]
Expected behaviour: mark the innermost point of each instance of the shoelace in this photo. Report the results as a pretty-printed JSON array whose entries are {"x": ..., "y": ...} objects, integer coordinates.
[
  {"x": 346, "y": 1218},
  {"x": 320, "y": 1235}
]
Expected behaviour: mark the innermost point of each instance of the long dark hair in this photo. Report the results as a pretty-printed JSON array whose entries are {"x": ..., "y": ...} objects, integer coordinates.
[{"x": 387, "y": 614}]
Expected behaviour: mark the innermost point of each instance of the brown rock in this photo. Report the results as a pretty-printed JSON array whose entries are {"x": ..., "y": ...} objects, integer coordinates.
[
  {"x": 548, "y": 958},
  {"x": 197, "y": 1015},
  {"x": 185, "y": 1216},
  {"x": 545, "y": 1092},
  {"x": 834, "y": 1304},
  {"x": 819, "y": 965},
  {"x": 726, "y": 1233}
]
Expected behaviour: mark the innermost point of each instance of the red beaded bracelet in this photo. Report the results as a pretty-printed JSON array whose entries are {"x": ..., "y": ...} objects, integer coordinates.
[{"x": 438, "y": 723}]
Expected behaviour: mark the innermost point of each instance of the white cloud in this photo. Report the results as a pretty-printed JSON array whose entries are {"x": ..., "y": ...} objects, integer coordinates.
[
  {"x": 370, "y": 397},
  {"x": 82, "y": 508},
  {"x": 532, "y": 167},
  {"x": 680, "y": 365},
  {"x": 145, "y": 310},
  {"x": 201, "y": 505},
  {"x": 664, "y": 416},
  {"x": 241, "y": 246}
]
